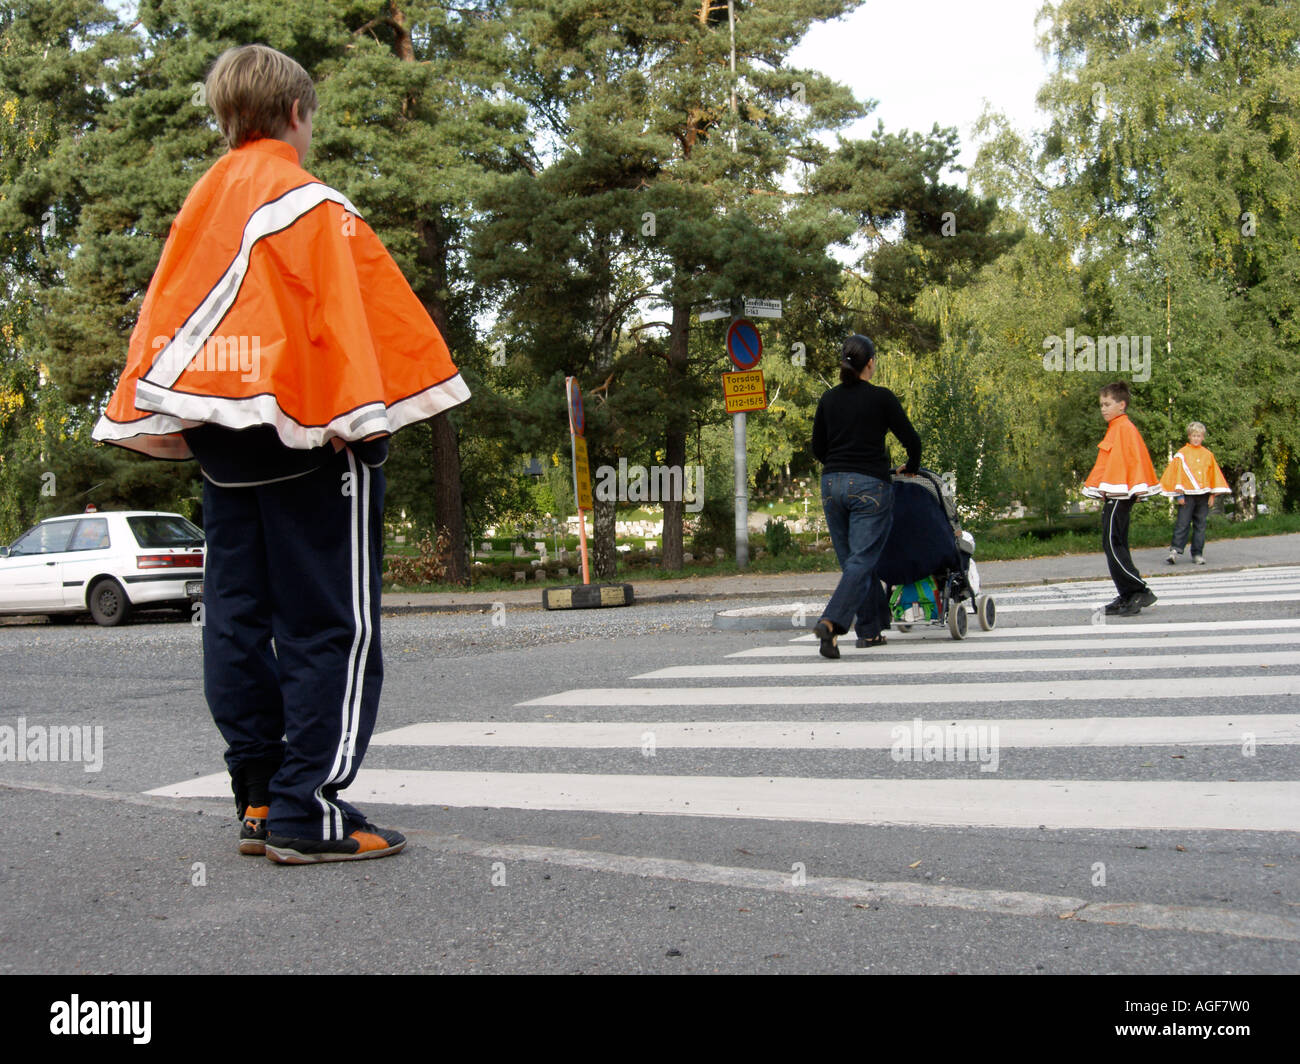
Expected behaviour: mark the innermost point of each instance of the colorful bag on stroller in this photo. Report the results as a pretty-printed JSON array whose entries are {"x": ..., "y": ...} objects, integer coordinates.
[{"x": 915, "y": 601}]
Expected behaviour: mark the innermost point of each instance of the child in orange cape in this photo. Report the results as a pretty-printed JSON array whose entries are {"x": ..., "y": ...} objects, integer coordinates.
[
  {"x": 280, "y": 345},
  {"x": 1123, "y": 472},
  {"x": 1192, "y": 477}
]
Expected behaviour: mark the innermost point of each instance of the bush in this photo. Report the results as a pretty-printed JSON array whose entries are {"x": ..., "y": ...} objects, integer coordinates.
[
  {"x": 717, "y": 527},
  {"x": 429, "y": 566},
  {"x": 778, "y": 536}
]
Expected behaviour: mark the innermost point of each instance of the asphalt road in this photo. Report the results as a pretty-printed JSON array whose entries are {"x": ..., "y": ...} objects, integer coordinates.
[{"x": 101, "y": 876}]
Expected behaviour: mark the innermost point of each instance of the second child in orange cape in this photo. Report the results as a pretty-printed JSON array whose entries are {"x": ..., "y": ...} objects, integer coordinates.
[
  {"x": 1192, "y": 478},
  {"x": 1122, "y": 474}
]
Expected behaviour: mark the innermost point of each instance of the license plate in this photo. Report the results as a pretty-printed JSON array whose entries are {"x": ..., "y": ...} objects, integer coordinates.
[{"x": 194, "y": 588}]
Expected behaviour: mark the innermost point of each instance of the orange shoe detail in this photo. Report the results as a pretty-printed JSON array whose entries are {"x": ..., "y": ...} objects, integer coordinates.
[{"x": 367, "y": 841}]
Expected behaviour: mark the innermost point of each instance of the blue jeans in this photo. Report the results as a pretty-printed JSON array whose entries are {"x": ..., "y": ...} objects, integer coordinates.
[
  {"x": 859, "y": 514},
  {"x": 1192, "y": 513}
]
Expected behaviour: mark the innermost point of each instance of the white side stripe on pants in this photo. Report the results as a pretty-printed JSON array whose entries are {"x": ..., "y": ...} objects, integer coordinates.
[{"x": 360, "y": 571}]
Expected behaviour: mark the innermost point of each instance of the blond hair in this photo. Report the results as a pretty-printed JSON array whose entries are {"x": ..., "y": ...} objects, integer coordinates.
[{"x": 251, "y": 90}]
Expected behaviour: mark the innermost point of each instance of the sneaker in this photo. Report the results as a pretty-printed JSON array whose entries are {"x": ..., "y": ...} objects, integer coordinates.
[
  {"x": 1113, "y": 607},
  {"x": 1198, "y": 559},
  {"x": 365, "y": 842},
  {"x": 1145, "y": 597},
  {"x": 1173, "y": 557},
  {"x": 828, "y": 649},
  {"x": 1131, "y": 608},
  {"x": 252, "y": 832}
]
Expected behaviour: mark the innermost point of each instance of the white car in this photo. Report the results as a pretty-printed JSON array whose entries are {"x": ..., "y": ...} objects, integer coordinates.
[{"x": 106, "y": 563}]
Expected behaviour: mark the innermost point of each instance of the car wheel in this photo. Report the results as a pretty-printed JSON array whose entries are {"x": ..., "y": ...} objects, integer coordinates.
[{"x": 108, "y": 602}]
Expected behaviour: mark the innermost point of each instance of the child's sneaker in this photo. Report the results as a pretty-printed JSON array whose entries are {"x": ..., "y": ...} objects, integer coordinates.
[
  {"x": 365, "y": 842},
  {"x": 1198, "y": 559},
  {"x": 252, "y": 833},
  {"x": 1173, "y": 557}
]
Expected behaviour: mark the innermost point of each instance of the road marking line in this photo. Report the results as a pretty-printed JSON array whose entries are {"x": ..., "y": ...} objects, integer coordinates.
[
  {"x": 1269, "y": 729},
  {"x": 1148, "y": 916},
  {"x": 919, "y": 694},
  {"x": 883, "y": 666},
  {"x": 1104, "y": 805}
]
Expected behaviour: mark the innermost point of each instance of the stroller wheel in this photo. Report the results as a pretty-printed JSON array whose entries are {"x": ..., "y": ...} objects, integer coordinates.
[
  {"x": 987, "y": 611},
  {"x": 957, "y": 619}
]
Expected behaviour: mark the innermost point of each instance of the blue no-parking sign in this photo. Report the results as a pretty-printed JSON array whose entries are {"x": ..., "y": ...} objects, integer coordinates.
[
  {"x": 577, "y": 423},
  {"x": 744, "y": 345}
]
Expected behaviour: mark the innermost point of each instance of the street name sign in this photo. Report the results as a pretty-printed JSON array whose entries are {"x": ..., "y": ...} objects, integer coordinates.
[{"x": 763, "y": 308}]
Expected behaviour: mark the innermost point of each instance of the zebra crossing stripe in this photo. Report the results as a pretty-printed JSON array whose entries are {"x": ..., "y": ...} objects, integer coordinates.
[
  {"x": 987, "y": 803},
  {"x": 1109, "y": 629},
  {"x": 1271, "y": 729},
  {"x": 977, "y": 646},
  {"x": 919, "y": 694},
  {"x": 883, "y": 666},
  {"x": 1160, "y": 586},
  {"x": 1165, "y": 600}
]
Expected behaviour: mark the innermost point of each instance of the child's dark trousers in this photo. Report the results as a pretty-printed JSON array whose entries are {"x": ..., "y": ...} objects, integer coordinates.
[{"x": 291, "y": 657}]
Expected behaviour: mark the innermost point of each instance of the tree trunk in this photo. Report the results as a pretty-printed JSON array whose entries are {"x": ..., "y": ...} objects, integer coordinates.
[
  {"x": 675, "y": 437},
  {"x": 444, "y": 453},
  {"x": 604, "y": 558},
  {"x": 449, "y": 510}
]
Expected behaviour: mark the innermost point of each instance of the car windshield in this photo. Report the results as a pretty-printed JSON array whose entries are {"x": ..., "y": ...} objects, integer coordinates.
[{"x": 164, "y": 530}]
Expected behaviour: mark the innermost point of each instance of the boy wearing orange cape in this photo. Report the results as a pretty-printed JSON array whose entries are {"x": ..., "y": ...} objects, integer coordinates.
[
  {"x": 280, "y": 345},
  {"x": 1123, "y": 472},
  {"x": 1192, "y": 477}
]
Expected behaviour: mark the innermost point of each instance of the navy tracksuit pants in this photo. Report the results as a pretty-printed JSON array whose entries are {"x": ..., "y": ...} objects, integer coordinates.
[
  {"x": 291, "y": 656},
  {"x": 1114, "y": 541}
]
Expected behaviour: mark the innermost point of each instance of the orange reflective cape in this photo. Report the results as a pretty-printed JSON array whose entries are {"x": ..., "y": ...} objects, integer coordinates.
[
  {"x": 1123, "y": 465},
  {"x": 1194, "y": 472},
  {"x": 274, "y": 303}
]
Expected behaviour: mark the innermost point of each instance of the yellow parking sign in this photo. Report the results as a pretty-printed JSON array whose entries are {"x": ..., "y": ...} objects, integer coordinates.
[
  {"x": 744, "y": 391},
  {"x": 581, "y": 473}
]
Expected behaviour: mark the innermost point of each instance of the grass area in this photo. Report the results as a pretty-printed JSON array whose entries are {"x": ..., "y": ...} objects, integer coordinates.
[
  {"x": 1007, "y": 541},
  {"x": 1143, "y": 532}
]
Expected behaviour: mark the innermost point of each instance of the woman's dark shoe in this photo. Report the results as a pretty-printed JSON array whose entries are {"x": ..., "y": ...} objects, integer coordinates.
[
  {"x": 822, "y": 629},
  {"x": 874, "y": 641}
]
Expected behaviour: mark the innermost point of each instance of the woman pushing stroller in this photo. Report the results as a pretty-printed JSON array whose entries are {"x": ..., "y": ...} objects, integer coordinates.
[{"x": 857, "y": 496}]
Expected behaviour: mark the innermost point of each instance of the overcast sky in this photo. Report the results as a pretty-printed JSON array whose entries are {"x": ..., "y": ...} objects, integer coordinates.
[{"x": 929, "y": 61}]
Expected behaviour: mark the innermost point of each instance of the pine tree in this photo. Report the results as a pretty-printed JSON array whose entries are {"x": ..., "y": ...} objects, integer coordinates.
[{"x": 658, "y": 191}]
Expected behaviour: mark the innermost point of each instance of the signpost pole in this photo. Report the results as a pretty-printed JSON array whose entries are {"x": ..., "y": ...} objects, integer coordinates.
[
  {"x": 742, "y": 492},
  {"x": 581, "y": 471},
  {"x": 582, "y": 539}
]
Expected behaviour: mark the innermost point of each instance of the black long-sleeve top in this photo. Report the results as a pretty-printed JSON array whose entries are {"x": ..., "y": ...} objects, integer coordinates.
[{"x": 849, "y": 430}]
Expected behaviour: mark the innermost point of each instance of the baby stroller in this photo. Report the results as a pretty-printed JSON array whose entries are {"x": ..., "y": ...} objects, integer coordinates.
[{"x": 927, "y": 550}]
